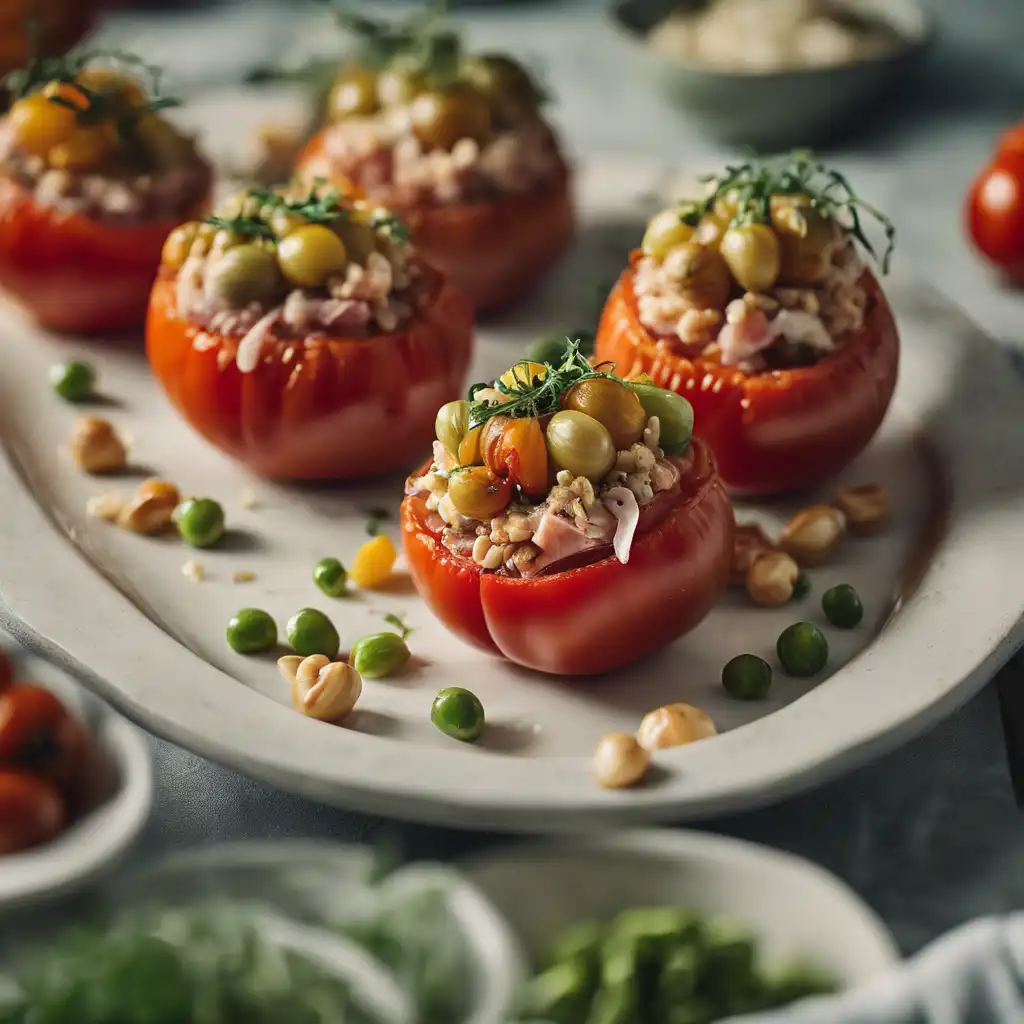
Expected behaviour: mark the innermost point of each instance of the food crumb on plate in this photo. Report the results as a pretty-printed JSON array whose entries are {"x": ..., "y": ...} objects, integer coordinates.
[
  {"x": 193, "y": 570},
  {"x": 243, "y": 576},
  {"x": 247, "y": 499},
  {"x": 106, "y": 506}
]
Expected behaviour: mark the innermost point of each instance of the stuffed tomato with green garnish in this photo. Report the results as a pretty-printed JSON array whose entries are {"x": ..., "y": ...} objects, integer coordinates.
[
  {"x": 567, "y": 521},
  {"x": 755, "y": 304},
  {"x": 92, "y": 179},
  {"x": 457, "y": 146},
  {"x": 298, "y": 331}
]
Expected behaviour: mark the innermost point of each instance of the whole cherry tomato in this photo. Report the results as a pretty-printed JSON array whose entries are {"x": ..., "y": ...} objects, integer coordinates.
[
  {"x": 515, "y": 448},
  {"x": 38, "y": 735},
  {"x": 597, "y": 615},
  {"x": 995, "y": 208},
  {"x": 31, "y": 811},
  {"x": 776, "y": 431}
]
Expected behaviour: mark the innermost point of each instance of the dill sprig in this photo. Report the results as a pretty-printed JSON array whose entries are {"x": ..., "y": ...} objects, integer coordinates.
[
  {"x": 534, "y": 395},
  {"x": 800, "y": 173},
  {"x": 413, "y": 38}
]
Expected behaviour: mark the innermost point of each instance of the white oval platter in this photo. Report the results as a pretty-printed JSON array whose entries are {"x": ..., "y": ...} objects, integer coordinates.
[{"x": 115, "y": 607}]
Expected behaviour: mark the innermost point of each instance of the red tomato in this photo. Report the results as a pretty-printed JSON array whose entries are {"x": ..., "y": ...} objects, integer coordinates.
[
  {"x": 38, "y": 735},
  {"x": 494, "y": 252},
  {"x": 599, "y": 616},
  {"x": 31, "y": 811},
  {"x": 6, "y": 672},
  {"x": 995, "y": 209},
  {"x": 316, "y": 409},
  {"x": 515, "y": 448},
  {"x": 770, "y": 432},
  {"x": 72, "y": 273}
]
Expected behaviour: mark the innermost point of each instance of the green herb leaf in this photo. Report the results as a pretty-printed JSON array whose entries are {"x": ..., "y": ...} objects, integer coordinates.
[
  {"x": 377, "y": 515},
  {"x": 398, "y": 622}
]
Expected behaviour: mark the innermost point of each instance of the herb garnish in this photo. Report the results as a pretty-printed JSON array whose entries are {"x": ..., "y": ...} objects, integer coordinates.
[
  {"x": 399, "y": 623},
  {"x": 377, "y": 515}
]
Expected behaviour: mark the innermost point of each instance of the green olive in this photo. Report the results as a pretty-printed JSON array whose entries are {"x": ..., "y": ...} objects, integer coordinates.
[
  {"x": 613, "y": 405},
  {"x": 330, "y": 576},
  {"x": 243, "y": 274},
  {"x": 675, "y": 416},
  {"x": 398, "y": 85},
  {"x": 802, "y": 649},
  {"x": 451, "y": 425},
  {"x": 354, "y": 94},
  {"x": 752, "y": 254},
  {"x": 378, "y": 655},
  {"x": 803, "y": 236},
  {"x": 511, "y": 93},
  {"x": 441, "y": 117},
  {"x": 310, "y": 255},
  {"x": 579, "y": 443},
  {"x": 665, "y": 230}
]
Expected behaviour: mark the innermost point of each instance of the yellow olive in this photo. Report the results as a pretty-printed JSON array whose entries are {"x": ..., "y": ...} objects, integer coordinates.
[
  {"x": 310, "y": 255},
  {"x": 803, "y": 236},
  {"x": 451, "y": 425},
  {"x": 580, "y": 444},
  {"x": 398, "y": 86},
  {"x": 752, "y": 254},
  {"x": 523, "y": 374},
  {"x": 354, "y": 94},
  {"x": 507, "y": 86},
  {"x": 613, "y": 405},
  {"x": 665, "y": 230},
  {"x": 37, "y": 125},
  {"x": 441, "y": 117},
  {"x": 701, "y": 273},
  {"x": 243, "y": 274},
  {"x": 477, "y": 493},
  {"x": 178, "y": 244}
]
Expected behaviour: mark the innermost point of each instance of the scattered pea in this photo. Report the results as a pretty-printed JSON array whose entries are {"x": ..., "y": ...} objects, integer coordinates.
[
  {"x": 802, "y": 649},
  {"x": 378, "y": 655},
  {"x": 458, "y": 713},
  {"x": 200, "y": 521},
  {"x": 251, "y": 630},
  {"x": 747, "y": 677},
  {"x": 802, "y": 587},
  {"x": 74, "y": 382},
  {"x": 309, "y": 632},
  {"x": 842, "y": 607},
  {"x": 330, "y": 576}
]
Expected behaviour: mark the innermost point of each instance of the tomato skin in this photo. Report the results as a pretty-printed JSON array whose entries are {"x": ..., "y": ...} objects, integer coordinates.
[
  {"x": 31, "y": 811},
  {"x": 777, "y": 431},
  {"x": 344, "y": 408},
  {"x": 38, "y": 734},
  {"x": 72, "y": 273},
  {"x": 598, "y": 617},
  {"x": 515, "y": 448},
  {"x": 494, "y": 252},
  {"x": 995, "y": 209}
]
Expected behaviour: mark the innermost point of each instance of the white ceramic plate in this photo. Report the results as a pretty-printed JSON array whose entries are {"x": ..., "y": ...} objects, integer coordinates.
[
  {"x": 119, "y": 788},
  {"x": 798, "y": 911},
  {"x": 116, "y": 607}
]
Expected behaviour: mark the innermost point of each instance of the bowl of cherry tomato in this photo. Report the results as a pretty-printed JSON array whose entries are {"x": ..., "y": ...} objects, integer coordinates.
[{"x": 75, "y": 782}]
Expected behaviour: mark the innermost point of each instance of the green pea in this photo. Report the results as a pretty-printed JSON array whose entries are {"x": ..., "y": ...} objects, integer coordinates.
[
  {"x": 675, "y": 415},
  {"x": 842, "y": 607},
  {"x": 458, "y": 713},
  {"x": 251, "y": 630},
  {"x": 802, "y": 586},
  {"x": 378, "y": 655},
  {"x": 74, "y": 382},
  {"x": 200, "y": 521},
  {"x": 802, "y": 649},
  {"x": 330, "y": 576},
  {"x": 309, "y": 631},
  {"x": 747, "y": 677}
]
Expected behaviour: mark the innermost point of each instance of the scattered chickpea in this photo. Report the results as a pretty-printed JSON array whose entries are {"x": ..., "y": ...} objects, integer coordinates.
[
  {"x": 674, "y": 725},
  {"x": 150, "y": 511},
  {"x": 325, "y": 690},
  {"x": 164, "y": 490},
  {"x": 866, "y": 507},
  {"x": 813, "y": 533},
  {"x": 751, "y": 542},
  {"x": 288, "y": 666},
  {"x": 771, "y": 578},
  {"x": 96, "y": 447},
  {"x": 105, "y": 506},
  {"x": 620, "y": 761}
]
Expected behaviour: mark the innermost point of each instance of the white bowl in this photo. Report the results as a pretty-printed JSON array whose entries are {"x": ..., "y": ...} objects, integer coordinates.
[
  {"x": 120, "y": 795},
  {"x": 798, "y": 911}
]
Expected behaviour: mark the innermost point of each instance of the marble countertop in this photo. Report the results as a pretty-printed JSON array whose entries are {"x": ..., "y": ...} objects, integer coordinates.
[{"x": 929, "y": 835}]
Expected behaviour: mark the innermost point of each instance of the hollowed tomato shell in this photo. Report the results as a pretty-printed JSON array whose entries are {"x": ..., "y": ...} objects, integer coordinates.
[
  {"x": 318, "y": 408},
  {"x": 598, "y": 617},
  {"x": 494, "y": 252},
  {"x": 771, "y": 432},
  {"x": 72, "y": 273}
]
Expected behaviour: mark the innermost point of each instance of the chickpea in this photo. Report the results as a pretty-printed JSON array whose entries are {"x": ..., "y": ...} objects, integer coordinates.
[
  {"x": 865, "y": 507},
  {"x": 751, "y": 542},
  {"x": 619, "y": 761},
  {"x": 96, "y": 446},
  {"x": 702, "y": 273},
  {"x": 673, "y": 726},
  {"x": 771, "y": 578},
  {"x": 288, "y": 666},
  {"x": 803, "y": 236},
  {"x": 665, "y": 230},
  {"x": 178, "y": 245},
  {"x": 325, "y": 690},
  {"x": 813, "y": 533},
  {"x": 752, "y": 254},
  {"x": 148, "y": 513}
]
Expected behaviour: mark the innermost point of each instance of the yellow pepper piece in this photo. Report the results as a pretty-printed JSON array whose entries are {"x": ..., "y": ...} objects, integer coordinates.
[
  {"x": 522, "y": 374},
  {"x": 373, "y": 563}
]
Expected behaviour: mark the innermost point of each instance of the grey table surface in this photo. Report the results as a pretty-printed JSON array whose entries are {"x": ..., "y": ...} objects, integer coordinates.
[{"x": 929, "y": 835}]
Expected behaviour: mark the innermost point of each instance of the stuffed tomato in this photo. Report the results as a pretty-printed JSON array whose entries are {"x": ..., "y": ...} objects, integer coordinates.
[
  {"x": 92, "y": 181},
  {"x": 566, "y": 521},
  {"x": 299, "y": 332},
  {"x": 456, "y": 145},
  {"x": 755, "y": 304}
]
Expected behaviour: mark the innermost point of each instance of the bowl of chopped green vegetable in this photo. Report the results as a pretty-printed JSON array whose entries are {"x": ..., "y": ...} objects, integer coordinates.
[{"x": 664, "y": 926}]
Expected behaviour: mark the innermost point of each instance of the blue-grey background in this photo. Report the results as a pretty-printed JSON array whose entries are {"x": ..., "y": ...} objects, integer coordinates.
[{"x": 930, "y": 835}]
